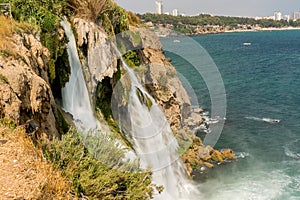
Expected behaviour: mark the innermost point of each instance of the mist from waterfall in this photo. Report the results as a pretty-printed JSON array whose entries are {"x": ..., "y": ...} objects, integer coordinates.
[
  {"x": 155, "y": 144},
  {"x": 75, "y": 98},
  {"x": 149, "y": 131}
]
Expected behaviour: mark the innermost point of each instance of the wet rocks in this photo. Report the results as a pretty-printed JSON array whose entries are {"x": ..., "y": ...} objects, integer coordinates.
[{"x": 200, "y": 157}]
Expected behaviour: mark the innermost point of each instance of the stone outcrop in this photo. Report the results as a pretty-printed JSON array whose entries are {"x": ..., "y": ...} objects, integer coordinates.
[
  {"x": 200, "y": 157},
  {"x": 25, "y": 92},
  {"x": 101, "y": 58},
  {"x": 157, "y": 75},
  {"x": 161, "y": 80}
]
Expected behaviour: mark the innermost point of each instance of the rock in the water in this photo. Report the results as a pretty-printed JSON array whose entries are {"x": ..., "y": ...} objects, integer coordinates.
[
  {"x": 228, "y": 154},
  {"x": 209, "y": 165},
  {"x": 217, "y": 156}
]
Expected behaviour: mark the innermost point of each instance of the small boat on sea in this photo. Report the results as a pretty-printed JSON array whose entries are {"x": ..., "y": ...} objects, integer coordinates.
[
  {"x": 176, "y": 41},
  {"x": 272, "y": 121},
  {"x": 246, "y": 43}
]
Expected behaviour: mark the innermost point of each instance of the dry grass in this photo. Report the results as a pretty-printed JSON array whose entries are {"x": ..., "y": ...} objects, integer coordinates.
[
  {"x": 24, "y": 172},
  {"x": 8, "y": 27},
  {"x": 88, "y": 9},
  {"x": 5, "y": 33}
]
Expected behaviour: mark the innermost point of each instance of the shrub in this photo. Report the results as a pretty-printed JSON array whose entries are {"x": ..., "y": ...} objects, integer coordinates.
[
  {"x": 132, "y": 59},
  {"x": 91, "y": 174},
  {"x": 113, "y": 16}
]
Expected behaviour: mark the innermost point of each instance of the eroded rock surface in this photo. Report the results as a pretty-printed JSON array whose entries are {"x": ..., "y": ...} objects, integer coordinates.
[{"x": 25, "y": 92}]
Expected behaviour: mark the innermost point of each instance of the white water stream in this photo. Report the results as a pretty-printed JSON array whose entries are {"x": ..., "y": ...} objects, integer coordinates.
[
  {"x": 151, "y": 134},
  {"x": 75, "y": 94},
  {"x": 155, "y": 144}
]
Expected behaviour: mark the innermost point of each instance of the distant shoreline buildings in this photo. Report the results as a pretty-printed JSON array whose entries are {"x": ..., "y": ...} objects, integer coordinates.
[
  {"x": 159, "y": 7},
  {"x": 277, "y": 16}
]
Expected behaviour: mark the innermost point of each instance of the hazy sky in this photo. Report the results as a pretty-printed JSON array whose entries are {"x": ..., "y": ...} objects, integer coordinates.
[{"x": 249, "y": 8}]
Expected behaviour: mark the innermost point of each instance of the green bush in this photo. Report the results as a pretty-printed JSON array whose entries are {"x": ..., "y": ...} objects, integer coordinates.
[
  {"x": 114, "y": 17},
  {"x": 44, "y": 13},
  {"x": 132, "y": 59},
  {"x": 3, "y": 78},
  {"x": 89, "y": 167}
]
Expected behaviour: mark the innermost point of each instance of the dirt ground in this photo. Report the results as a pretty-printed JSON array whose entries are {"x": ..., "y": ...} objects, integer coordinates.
[{"x": 24, "y": 174}]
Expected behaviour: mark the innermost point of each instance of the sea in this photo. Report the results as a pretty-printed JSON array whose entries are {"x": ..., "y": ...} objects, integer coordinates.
[{"x": 262, "y": 126}]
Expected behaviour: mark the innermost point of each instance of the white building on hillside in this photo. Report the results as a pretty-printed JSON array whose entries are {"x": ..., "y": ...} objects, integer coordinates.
[
  {"x": 159, "y": 7},
  {"x": 277, "y": 15},
  {"x": 295, "y": 16},
  {"x": 175, "y": 12},
  {"x": 286, "y": 17}
]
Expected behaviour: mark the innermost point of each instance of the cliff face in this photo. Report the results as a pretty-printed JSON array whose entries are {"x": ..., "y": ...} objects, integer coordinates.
[
  {"x": 100, "y": 59},
  {"x": 162, "y": 82},
  {"x": 25, "y": 95},
  {"x": 160, "y": 78}
]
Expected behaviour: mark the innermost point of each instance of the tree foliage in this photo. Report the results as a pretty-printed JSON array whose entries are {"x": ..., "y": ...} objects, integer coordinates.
[
  {"x": 93, "y": 176},
  {"x": 205, "y": 19}
]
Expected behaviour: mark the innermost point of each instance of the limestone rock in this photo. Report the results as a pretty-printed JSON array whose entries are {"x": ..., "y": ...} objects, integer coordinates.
[
  {"x": 164, "y": 85},
  {"x": 101, "y": 58},
  {"x": 25, "y": 93},
  {"x": 209, "y": 165},
  {"x": 228, "y": 154},
  {"x": 217, "y": 156}
]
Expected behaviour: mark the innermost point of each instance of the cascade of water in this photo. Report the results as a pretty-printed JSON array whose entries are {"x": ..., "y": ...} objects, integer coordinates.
[
  {"x": 155, "y": 143},
  {"x": 75, "y": 94},
  {"x": 151, "y": 134}
]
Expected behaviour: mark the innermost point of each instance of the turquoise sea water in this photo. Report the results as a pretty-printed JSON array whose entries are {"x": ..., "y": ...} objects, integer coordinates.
[{"x": 261, "y": 81}]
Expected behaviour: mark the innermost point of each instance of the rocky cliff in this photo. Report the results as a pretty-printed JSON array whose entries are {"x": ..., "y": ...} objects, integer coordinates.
[
  {"x": 160, "y": 78},
  {"x": 25, "y": 94}
]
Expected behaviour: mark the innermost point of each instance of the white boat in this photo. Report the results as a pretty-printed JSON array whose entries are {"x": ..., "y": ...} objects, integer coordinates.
[
  {"x": 246, "y": 43},
  {"x": 176, "y": 41}
]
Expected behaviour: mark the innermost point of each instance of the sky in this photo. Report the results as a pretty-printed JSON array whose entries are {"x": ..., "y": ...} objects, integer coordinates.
[{"x": 248, "y": 8}]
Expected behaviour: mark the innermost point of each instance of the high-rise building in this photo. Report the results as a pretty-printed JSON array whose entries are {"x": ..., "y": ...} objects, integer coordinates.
[
  {"x": 295, "y": 16},
  {"x": 286, "y": 17},
  {"x": 175, "y": 12},
  {"x": 277, "y": 16},
  {"x": 159, "y": 7}
]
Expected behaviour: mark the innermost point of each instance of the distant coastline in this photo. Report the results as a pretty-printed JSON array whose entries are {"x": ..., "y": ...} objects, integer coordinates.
[
  {"x": 163, "y": 32},
  {"x": 263, "y": 29},
  {"x": 207, "y": 24}
]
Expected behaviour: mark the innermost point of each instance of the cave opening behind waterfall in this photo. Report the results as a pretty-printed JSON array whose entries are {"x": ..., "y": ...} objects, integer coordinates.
[{"x": 103, "y": 96}]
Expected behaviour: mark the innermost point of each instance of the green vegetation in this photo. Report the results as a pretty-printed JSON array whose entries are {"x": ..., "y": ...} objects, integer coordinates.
[
  {"x": 92, "y": 177},
  {"x": 44, "y": 14},
  {"x": 8, "y": 123},
  {"x": 132, "y": 59},
  {"x": 43, "y": 18},
  {"x": 3, "y": 78},
  {"x": 61, "y": 122},
  {"x": 188, "y": 24},
  {"x": 114, "y": 19},
  {"x": 144, "y": 99},
  {"x": 92, "y": 164}
]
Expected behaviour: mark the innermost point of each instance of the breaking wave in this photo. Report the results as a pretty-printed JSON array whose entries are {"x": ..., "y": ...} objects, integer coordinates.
[{"x": 264, "y": 119}]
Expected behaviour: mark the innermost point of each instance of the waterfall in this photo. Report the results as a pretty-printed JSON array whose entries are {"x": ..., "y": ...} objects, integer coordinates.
[
  {"x": 155, "y": 144},
  {"x": 150, "y": 133},
  {"x": 75, "y": 94}
]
